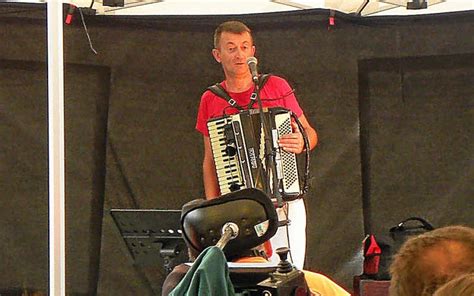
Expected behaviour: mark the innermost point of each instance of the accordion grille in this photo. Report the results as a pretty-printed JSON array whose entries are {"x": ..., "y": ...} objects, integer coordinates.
[{"x": 289, "y": 165}]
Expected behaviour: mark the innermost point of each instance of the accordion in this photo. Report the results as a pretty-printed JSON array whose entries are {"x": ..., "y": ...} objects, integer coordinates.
[{"x": 238, "y": 149}]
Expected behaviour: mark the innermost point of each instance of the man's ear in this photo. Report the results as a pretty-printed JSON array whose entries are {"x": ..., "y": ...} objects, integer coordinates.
[
  {"x": 217, "y": 55},
  {"x": 253, "y": 50}
]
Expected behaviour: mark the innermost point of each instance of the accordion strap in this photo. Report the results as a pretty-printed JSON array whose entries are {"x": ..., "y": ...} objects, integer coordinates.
[{"x": 220, "y": 91}]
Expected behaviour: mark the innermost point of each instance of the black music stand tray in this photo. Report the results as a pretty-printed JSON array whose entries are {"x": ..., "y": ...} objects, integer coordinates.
[{"x": 152, "y": 234}]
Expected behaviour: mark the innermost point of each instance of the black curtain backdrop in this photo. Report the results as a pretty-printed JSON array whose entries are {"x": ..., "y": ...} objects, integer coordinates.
[{"x": 391, "y": 98}]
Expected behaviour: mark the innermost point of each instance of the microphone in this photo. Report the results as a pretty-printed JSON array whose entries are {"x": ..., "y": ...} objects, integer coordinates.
[{"x": 252, "y": 62}]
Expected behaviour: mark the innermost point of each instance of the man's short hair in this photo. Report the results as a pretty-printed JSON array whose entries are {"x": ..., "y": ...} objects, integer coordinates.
[
  {"x": 429, "y": 260},
  {"x": 235, "y": 27}
]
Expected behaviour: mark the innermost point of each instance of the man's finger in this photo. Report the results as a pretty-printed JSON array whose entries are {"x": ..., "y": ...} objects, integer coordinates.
[{"x": 295, "y": 127}]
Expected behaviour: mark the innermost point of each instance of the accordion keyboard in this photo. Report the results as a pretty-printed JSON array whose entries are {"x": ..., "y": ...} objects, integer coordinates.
[{"x": 226, "y": 160}]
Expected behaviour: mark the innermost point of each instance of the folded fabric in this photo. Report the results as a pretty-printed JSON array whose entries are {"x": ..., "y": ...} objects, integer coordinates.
[{"x": 209, "y": 275}]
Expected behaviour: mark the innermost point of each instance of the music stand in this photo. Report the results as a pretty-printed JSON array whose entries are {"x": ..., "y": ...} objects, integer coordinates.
[{"x": 151, "y": 234}]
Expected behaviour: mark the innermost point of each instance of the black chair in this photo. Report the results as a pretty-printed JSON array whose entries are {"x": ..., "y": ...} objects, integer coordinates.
[{"x": 237, "y": 223}]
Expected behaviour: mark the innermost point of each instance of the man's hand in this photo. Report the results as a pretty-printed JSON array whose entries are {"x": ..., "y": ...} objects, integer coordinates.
[{"x": 294, "y": 142}]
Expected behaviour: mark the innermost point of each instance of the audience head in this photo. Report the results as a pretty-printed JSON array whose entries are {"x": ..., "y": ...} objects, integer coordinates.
[
  {"x": 429, "y": 260},
  {"x": 460, "y": 286}
]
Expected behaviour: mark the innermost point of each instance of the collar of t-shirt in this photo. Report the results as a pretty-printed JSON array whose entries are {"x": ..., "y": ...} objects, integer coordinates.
[{"x": 242, "y": 98}]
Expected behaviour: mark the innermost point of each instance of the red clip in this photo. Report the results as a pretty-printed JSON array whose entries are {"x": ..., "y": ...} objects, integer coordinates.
[
  {"x": 332, "y": 19},
  {"x": 70, "y": 14}
]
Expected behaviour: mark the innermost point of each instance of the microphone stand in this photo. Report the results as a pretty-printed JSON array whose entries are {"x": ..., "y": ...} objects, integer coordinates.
[{"x": 270, "y": 150}]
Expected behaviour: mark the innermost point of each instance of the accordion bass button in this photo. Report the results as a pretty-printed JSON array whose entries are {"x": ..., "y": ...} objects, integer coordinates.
[
  {"x": 234, "y": 187},
  {"x": 231, "y": 151}
]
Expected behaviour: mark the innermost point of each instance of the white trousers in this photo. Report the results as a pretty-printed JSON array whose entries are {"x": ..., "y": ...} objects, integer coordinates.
[{"x": 293, "y": 235}]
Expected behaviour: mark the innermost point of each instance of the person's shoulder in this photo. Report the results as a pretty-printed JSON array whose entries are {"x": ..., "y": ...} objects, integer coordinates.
[
  {"x": 221, "y": 83},
  {"x": 276, "y": 80},
  {"x": 208, "y": 94}
]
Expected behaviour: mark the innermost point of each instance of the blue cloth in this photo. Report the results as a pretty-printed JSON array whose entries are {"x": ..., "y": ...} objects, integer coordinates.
[{"x": 208, "y": 276}]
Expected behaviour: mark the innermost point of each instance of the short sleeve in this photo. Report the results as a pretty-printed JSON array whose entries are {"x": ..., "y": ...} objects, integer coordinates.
[
  {"x": 288, "y": 98},
  {"x": 203, "y": 115}
]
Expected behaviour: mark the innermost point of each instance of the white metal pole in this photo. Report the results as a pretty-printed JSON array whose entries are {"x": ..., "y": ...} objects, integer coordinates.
[{"x": 57, "y": 270}]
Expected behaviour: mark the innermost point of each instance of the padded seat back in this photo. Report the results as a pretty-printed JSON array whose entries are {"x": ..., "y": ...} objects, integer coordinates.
[{"x": 250, "y": 209}]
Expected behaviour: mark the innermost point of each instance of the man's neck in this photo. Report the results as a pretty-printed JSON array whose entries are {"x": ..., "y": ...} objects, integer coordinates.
[{"x": 238, "y": 84}]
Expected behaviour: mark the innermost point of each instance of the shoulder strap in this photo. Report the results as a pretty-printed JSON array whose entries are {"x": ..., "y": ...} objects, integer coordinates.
[
  {"x": 219, "y": 91},
  {"x": 263, "y": 79},
  {"x": 261, "y": 82}
]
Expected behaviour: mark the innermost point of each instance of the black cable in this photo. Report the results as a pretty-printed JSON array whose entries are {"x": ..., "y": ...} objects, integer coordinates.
[
  {"x": 224, "y": 110},
  {"x": 307, "y": 157},
  {"x": 123, "y": 175},
  {"x": 286, "y": 212},
  {"x": 284, "y": 96},
  {"x": 292, "y": 91}
]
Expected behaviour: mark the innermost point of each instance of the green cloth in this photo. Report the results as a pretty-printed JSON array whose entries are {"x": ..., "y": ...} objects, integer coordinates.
[{"x": 208, "y": 276}]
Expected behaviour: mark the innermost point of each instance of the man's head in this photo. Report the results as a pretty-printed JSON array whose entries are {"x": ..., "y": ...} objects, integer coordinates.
[
  {"x": 233, "y": 44},
  {"x": 427, "y": 261},
  {"x": 234, "y": 27}
]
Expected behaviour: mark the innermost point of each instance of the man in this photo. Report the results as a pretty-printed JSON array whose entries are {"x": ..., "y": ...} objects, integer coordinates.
[
  {"x": 429, "y": 260},
  {"x": 233, "y": 45}
]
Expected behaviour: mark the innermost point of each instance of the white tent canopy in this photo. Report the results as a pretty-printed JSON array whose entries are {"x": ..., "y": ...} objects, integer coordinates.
[{"x": 213, "y": 7}]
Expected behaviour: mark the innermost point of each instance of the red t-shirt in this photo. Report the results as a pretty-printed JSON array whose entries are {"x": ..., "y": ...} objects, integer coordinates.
[{"x": 275, "y": 93}]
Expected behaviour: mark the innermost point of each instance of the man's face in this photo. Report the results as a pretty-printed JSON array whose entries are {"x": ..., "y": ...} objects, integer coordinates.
[{"x": 232, "y": 53}]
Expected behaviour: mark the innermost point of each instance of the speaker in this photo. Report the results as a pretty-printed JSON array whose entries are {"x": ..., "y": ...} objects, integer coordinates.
[{"x": 113, "y": 3}]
